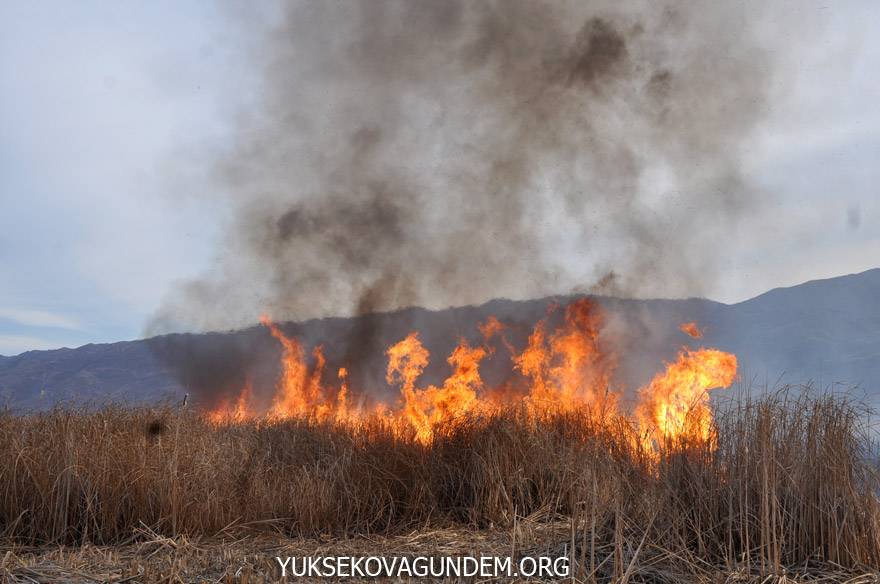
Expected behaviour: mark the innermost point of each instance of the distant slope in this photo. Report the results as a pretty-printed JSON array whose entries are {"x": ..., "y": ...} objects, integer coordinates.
[
  {"x": 125, "y": 372},
  {"x": 824, "y": 330}
]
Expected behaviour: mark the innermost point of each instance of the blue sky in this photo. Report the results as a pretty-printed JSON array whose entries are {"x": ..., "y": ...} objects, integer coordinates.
[{"x": 101, "y": 104}]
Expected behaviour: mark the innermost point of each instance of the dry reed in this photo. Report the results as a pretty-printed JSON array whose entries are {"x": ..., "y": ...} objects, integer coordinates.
[{"x": 788, "y": 481}]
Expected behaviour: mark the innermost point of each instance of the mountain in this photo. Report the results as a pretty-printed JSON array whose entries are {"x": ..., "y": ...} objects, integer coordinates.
[
  {"x": 827, "y": 331},
  {"x": 125, "y": 372}
]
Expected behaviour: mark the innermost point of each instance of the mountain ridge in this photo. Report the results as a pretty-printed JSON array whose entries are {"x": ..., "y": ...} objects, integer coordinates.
[{"x": 826, "y": 330}]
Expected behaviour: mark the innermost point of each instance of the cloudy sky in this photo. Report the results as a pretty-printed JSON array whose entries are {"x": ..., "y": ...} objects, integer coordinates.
[{"x": 103, "y": 104}]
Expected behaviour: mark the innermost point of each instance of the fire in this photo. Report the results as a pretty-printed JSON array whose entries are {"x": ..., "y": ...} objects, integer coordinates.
[
  {"x": 567, "y": 368},
  {"x": 342, "y": 407},
  {"x": 490, "y": 328},
  {"x": 298, "y": 392},
  {"x": 299, "y": 388},
  {"x": 691, "y": 329},
  {"x": 406, "y": 361},
  {"x": 426, "y": 408},
  {"x": 564, "y": 369},
  {"x": 240, "y": 411},
  {"x": 675, "y": 404}
]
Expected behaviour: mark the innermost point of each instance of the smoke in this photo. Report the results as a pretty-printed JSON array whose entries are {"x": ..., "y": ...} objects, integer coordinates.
[
  {"x": 443, "y": 152},
  {"x": 440, "y": 153}
]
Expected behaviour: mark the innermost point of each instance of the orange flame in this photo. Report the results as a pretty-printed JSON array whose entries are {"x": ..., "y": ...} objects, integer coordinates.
[
  {"x": 691, "y": 329},
  {"x": 426, "y": 408},
  {"x": 342, "y": 407},
  {"x": 298, "y": 390},
  {"x": 241, "y": 411},
  {"x": 568, "y": 369},
  {"x": 406, "y": 361},
  {"x": 490, "y": 328},
  {"x": 675, "y": 405},
  {"x": 564, "y": 369}
]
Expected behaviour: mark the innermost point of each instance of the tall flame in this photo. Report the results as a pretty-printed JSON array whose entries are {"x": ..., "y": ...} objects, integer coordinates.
[
  {"x": 675, "y": 405},
  {"x": 563, "y": 369},
  {"x": 406, "y": 361},
  {"x": 567, "y": 368},
  {"x": 298, "y": 390},
  {"x": 426, "y": 408},
  {"x": 342, "y": 406}
]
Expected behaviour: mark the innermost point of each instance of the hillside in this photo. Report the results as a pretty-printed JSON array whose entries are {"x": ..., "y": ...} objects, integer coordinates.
[{"x": 824, "y": 330}]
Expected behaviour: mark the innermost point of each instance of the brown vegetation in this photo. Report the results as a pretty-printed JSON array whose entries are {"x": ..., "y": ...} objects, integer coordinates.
[{"x": 785, "y": 482}]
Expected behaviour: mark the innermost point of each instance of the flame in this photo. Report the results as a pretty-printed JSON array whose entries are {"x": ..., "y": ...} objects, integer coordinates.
[
  {"x": 342, "y": 407},
  {"x": 490, "y": 328},
  {"x": 691, "y": 329},
  {"x": 426, "y": 408},
  {"x": 299, "y": 389},
  {"x": 241, "y": 411},
  {"x": 566, "y": 368},
  {"x": 674, "y": 406},
  {"x": 406, "y": 361}
]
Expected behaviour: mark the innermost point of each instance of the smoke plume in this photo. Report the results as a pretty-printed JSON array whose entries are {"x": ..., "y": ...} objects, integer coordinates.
[
  {"x": 440, "y": 153},
  {"x": 444, "y": 152}
]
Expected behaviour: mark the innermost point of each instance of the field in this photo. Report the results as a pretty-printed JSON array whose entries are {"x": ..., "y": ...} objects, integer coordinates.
[{"x": 785, "y": 486}]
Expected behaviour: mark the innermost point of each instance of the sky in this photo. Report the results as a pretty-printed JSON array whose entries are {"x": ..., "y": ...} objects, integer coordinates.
[{"x": 103, "y": 105}]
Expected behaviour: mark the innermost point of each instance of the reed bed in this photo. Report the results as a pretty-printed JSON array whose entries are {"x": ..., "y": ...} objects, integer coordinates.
[{"x": 786, "y": 481}]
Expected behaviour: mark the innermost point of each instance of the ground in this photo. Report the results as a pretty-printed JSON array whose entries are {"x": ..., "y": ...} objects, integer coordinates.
[{"x": 249, "y": 558}]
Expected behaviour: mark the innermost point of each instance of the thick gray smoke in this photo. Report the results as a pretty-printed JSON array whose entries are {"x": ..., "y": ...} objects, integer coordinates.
[{"x": 445, "y": 152}]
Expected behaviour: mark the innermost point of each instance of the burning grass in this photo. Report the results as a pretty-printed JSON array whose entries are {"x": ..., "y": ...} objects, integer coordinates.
[
  {"x": 564, "y": 369},
  {"x": 785, "y": 481}
]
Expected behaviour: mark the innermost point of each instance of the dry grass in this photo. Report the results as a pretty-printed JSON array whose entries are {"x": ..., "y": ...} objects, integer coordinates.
[
  {"x": 789, "y": 485},
  {"x": 250, "y": 560}
]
